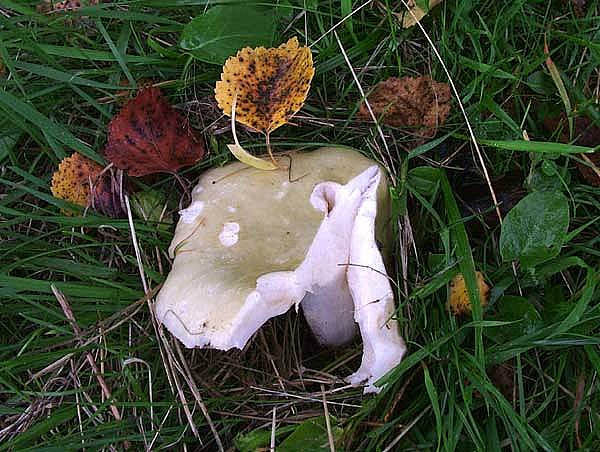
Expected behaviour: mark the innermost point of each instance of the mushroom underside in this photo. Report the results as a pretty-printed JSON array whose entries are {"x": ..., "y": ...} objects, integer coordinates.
[{"x": 340, "y": 283}]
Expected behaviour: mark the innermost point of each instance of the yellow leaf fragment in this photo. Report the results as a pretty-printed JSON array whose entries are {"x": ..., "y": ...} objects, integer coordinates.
[
  {"x": 239, "y": 152},
  {"x": 410, "y": 20},
  {"x": 245, "y": 157},
  {"x": 74, "y": 178},
  {"x": 458, "y": 301},
  {"x": 271, "y": 84}
]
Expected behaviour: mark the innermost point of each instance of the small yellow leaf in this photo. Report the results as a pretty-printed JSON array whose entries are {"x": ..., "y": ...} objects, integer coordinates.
[
  {"x": 73, "y": 179},
  {"x": 410, "y": 20},
  {"x": 458, "y": 301},
  {"x": 271, "y": 84},
  {"x": 239, "y": 152},
  {"x": 243, "y": 156}
]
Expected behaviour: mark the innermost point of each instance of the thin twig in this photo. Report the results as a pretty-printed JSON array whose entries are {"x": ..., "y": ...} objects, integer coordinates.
[
  {"x": 172, "y": 364},
  {"x": 405, "y": 430},
  {"x": 157, "y": 331},
  {"x": 462, "y": 109},
  {"x": 366, "y": 101},
  {"x": 327, "y": 421},
  {"x": 64, "y": 304},
  {"x": 342, "y": 20},
  {"x": 273, "y": 425},
  {"x": 189, "y": 379}
]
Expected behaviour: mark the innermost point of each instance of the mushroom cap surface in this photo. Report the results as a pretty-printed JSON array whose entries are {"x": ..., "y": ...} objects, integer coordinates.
[{"x": 237, "y": 244}]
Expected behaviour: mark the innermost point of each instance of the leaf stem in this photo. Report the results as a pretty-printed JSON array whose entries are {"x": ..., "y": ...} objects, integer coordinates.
[{"x": 269, "y": 150}]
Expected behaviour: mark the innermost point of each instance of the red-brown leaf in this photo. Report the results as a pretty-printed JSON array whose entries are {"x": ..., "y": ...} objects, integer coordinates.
[
  {"x": 419, "y": 103},
  {"x": 106, "y": 195},
  {"x": 148, "y": 136}
]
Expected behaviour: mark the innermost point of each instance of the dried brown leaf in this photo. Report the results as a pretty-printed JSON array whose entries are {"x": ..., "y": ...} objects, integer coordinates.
[
  {"x": 49, "y": 6},
  {"x": 107, "y": 195},
  {"x": 503, "y": 378},
  {"x": 419, "y": 103},
  {"x": 579, "y": 7},
  {"x": 586, "y": 133}
]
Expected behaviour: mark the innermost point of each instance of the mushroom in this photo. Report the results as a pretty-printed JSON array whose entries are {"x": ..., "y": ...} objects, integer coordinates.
[{"x": 254, "y": 243}]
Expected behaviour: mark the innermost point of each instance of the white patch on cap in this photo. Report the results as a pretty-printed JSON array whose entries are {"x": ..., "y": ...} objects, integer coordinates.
[
  {"x": 279, "y": 195},
  {"x": 231, "y": 209},
  {"x": 190, "y": 214},
  {"x": 229, "y": 234}
]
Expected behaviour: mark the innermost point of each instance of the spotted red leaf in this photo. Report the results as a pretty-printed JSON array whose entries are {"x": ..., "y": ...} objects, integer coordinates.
[{"x": 149, "y": 136}]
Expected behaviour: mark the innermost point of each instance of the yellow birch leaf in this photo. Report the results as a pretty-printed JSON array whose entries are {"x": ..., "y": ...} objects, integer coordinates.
[
  {"x": 271, "y": 84},
  {"x": 458, "y": 301},
  {"x": 73, "y": 179}
]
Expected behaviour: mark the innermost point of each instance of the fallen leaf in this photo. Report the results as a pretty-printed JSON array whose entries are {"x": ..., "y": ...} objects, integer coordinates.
[
  {"x": 82, "y": 181},
  {"x": 475, "y": 198},
  {"x": 151, "y": 205},
  {"x": 148, "y": 136},
  {"x": 107, "y": 195},
  {"x": 503, "y": 378},
  {"x": 73, "y": 179},
  {"x": 585, "y": 133},
  {"x": 313, "y": 435},
  {"x": 49, "y": 6},
  {"x": 579, "y": 7},
  {"x": 270, "y": 85},
  {"x": 240, "y": 153},
  {"x": 416, "y": 102},
  {"x": 418, "y": 12},
  {"x": 458, "y": 301}
]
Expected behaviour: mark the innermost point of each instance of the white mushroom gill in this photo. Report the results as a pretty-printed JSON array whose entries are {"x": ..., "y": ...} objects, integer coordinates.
[
  {"x": 383, "y": 347},
  {"x": 316, "y": 249},
  {"x": 328, "y": 305}
]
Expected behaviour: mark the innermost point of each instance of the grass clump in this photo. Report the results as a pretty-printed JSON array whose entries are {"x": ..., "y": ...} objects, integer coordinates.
[{"x": 520, "y": 376}]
